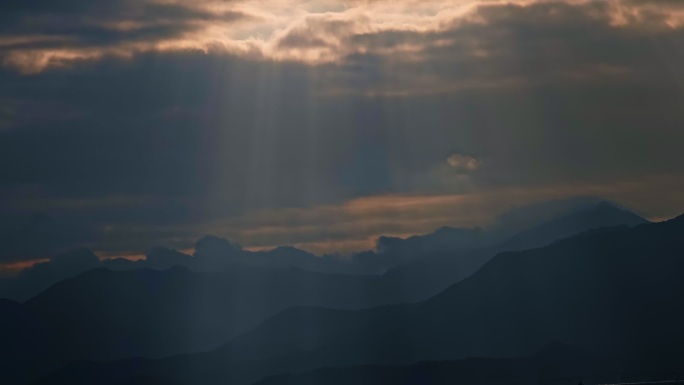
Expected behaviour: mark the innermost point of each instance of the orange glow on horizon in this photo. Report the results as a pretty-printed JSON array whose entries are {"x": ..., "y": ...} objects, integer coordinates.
[{"x": 14, "y": 268}]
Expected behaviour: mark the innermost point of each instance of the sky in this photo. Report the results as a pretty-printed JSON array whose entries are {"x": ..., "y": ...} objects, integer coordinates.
[{"x": 323, "y": 124}]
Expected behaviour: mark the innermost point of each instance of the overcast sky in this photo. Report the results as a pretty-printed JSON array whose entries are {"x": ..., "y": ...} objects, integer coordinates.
[{"x": 323, "y": 124}]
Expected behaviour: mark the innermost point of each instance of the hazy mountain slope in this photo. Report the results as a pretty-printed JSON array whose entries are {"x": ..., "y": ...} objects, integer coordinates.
[
  {"x": 615, "y": 292},
  {"x": 420, "y": 265},
  {"x": 427, "y": 276},
  {"x": 148, "y": 313},
  {"x": 41, "y": 276},
  {"x": 602, "y": 215},
  {"x": 197, "y": 311},
  {"x": 105, "y": 315}
]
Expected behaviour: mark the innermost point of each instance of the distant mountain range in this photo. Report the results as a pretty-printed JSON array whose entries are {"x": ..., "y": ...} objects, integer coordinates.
[
  {"x": 602, "y": 215},
  {"x": 149, "y": 313},
  {"x": 615, "y": 292},
  {"x": 444, "y": 256},
  {"x": 424, "y": 277},
  {"x": 109, "y": 314}
]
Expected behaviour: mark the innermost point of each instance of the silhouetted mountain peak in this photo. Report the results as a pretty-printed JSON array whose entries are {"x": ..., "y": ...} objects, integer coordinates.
[
  {"x": 213, "y": 243},
  {"x": 607, "y": 205},
  {"x": 443, "y": 239},
  {"x": 608, "y": 208},
  {"x": 163, "y": 258},
  {"x": 601, "y": 215},
  {"x": 615, "y": 293},
  {"x": 446, "y": 230},
  {"x": 677, "y": 220}
]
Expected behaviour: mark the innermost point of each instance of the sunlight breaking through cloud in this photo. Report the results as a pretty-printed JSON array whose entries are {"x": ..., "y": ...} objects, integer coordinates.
[{"x": 313, "y": 32}]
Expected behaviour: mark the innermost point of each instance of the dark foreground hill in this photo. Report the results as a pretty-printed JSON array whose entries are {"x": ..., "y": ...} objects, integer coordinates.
[
  {"x": 615, "y": 292},
  {"x": 148, "y": 313},
  {"x": 24, "y": 340},
  {"x": 106, "y": 315},
  {"x": 555, "y": 364}
]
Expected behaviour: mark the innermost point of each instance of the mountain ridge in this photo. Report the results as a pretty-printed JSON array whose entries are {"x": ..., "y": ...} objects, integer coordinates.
[{"x": 516, "y": 304}]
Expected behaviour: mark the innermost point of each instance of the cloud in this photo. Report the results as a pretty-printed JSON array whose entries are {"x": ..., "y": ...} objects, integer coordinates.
[
  {"x": 463, "y": 163},
  {"x": 356, "y": 225},
  {"x": 39, "y": 236},
  {"x": 313, "y": 32},
  {"x": 212, "y": 253},
  {"x": 38, "y": 275},
  {"x": 319, "y": 123},
  {"x": 89, "y": 30},
  {"x": 66, "y": 264}
]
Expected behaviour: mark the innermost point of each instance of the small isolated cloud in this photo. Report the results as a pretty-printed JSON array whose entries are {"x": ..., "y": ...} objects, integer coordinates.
[{"x": 463, "y": 163}]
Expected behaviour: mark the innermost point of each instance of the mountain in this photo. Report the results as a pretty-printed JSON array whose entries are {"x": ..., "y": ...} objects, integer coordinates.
[
  {"x": 41, "y": 276},
  {"x": 556, "y": 363},
  {"x": 195, "y": 311},
  {"x": 442, "y": 239},
  {"x": 104, "y": 315},
  {"x": 600, "y": 216},
  {"x": 435, "y": 271},
  {"x": 110, "y": 315},
  {"x": 38, "y": 235},
  {"x": 212, "y": 254},
  {"x": 614, "y": 292},
  {"x": 148, "y": 313},
  {"x": 26, "y": 343},
  {"x": 421, "y": 265}
]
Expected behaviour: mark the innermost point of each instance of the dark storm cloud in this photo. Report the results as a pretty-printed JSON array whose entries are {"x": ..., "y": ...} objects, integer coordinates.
[
  {"x": 159, "y": 146},
  {"x": 99, "y": 22},
  {"x": 509, "y": 46},
  {"x": 150, "y": 149},
  {"x": 550, "y": 91},
  {"x": 39, "y": 236},
  {"x": 167, "y": 136},
  {"x": 38, "y": 34}
]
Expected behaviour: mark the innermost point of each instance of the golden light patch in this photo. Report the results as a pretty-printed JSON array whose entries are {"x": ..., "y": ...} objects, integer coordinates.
[
  {"x": 355, "y": 225},
  {"x": 313, "y": 32},
  {"x": 13, "y": 268}
]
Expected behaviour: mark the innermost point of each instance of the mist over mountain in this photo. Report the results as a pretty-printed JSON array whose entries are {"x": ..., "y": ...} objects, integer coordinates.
[
  {"x": 206, "y": 299},
  {"x": 614, "y": 293},
  {"x": 446, "y": 255},
  {"x": 427, "y": 276},
  {"x": 148, "y": 313},
  {"x": 39, "y": 277},
  {"x": 172, "y": 303},
  {"x": 38, "y": 236},
  {"x": 602, "y": 215}
]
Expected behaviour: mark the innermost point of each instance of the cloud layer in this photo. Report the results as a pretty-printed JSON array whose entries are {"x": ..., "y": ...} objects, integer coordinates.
[
  {"x": 40, "y": 34},
  {"x": 324, "y": 123}
]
